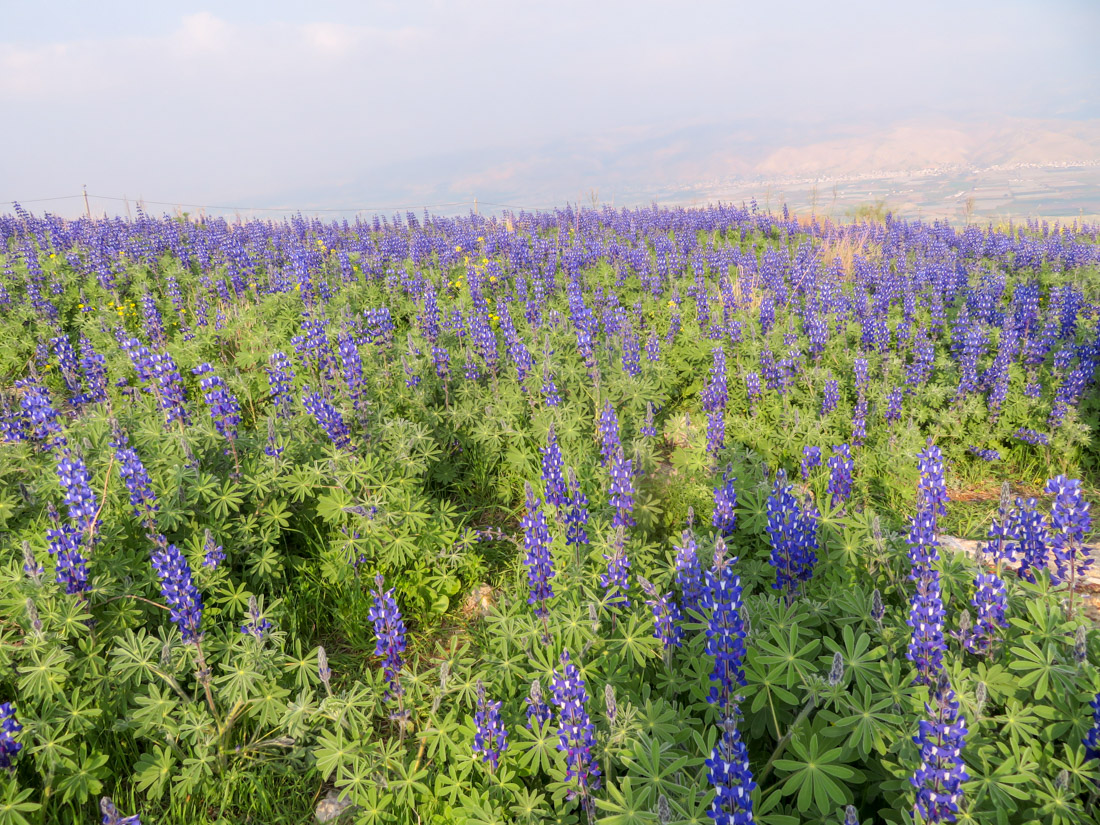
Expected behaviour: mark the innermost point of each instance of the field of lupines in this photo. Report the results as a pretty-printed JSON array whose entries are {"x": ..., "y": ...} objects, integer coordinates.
[{"x": 584, "y": 516}]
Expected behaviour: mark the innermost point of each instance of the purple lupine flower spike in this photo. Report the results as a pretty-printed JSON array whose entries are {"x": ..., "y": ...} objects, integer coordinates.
[
  {"x": 389, "y": 632},
  {"x": 729, "y": 774},
  {"x": 941, "y": 773},
  {"x": 179, "y": 591},
  {"x": 725, "y": 628},
  {"x": 576, "y": 733},
  {"x": 9, "y": 726},
  {"x": 536, "y": 710},
  {"x": 490, "y": 737},
  {"x": 540, "y": 567}
]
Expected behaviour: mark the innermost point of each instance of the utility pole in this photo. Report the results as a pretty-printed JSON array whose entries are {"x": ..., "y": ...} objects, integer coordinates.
[{"x": 87, "y": 209}]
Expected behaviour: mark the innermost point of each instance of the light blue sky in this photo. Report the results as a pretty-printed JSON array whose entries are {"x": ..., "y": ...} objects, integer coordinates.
[{"x": 376, "y": 103}]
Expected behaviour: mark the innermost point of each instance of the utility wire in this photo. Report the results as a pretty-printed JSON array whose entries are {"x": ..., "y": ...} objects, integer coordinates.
[{"x": 139, "y": 201}]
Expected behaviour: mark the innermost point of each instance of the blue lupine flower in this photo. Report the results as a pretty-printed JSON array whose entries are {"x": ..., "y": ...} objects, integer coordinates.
[
  {"x": 689, "y": 573},
  {"x": 1031, "y": 436},
  {"x": 990, "y": 602},
  {"x": 536, "y": 709},
  {"x": 67, "y": 364},
  {"x": 9, "y": 726},
  {"x": 549, "y": 388},
  {"x": 621, "y": 491},
  {"x": 179, "y": 591},
  {"x": 608, "y": 428},
  {"x": 1069, "y": 521},
  {"x": 170, "y": 389},
  {"x": 441, "y": 360},
  {"x": 725, "y": 628},
  {"x": 792, "y": 531},
  {"x": 926, "y": 614},
  {"x": 213, "y": 553},
  {"x": 389, "y": 632},
  {"x": 715, "y": 396},
  {"x": 536, "y": 543},
  {"x": 79, "y": 497},
  {"x": 831, "y": 397},
  {"x": 225, "y": 410},
  {"x": 135, "y": 477},
  {"x": 42, "y": 419},
  {"x": 576, "y": 733},
  {"x": 576, "y": 516},
  {"x": 648, "y": 429},
  {"x": 753, "y": 389},
  {"x": 1092, "y": 738},
  {"x": 932, "y": 489},
  {"x": 893, "y": 405},
  {"x": 859, "y": 421},
  {"x": 941, "y": 773},
  {"x": 490, "y": 736},
  {"x": 653, "y": 348},
  {"x": 552, "y": 472},
  {"x": 729, "y": 774},
  {"x": 64, "y": 543},
  {"x": 840, "y": 474},
  {"x": 615, "y": 581},
  {"x": 257, "y": 625},
  {"x": 328, "y": 418},
  {"x": 725, "y": 504},
  {"x": 280, "y": 376},
  {"x": 811, "y": 458},
  {"x": 666, "y": 616},
  {"x": 93, "y": 367},
  {"x": 351, "y": 368},
  {"x": 1029, "y": 527},
  {"x": 984, "y": 455}
]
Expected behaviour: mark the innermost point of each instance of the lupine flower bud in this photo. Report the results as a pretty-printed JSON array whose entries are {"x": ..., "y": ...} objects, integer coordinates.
[
  {"x": 664, "y": 810},
  {"x": 537, "y": 710},
  {"x": 878, "y": 609},
  {"x": 111, "y": 816},
  {"x": 1080, "y": 646},
  {"x": 31, "y": 566},
  {"x": 323, "y": 669},
  {"x": 610, "y": 705},
  {"x": 33, "y": 618},
  {"x": 836, "y": 672},
  {"x": 257, "y": 626}
]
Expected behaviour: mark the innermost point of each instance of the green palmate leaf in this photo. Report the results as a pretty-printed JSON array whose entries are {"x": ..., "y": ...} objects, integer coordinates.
[
  {"x": 998, "y": 780},
  {"x": 537, "y": 748},
  {"x": 16, "y": 802},
  {"x": 871, "y": 725},
  {"x": 1040, "y": 668},
  {"x": 628, "y": 804},
  {"x": 656, "y": 765},
  {"x": 82, "y": 777},
  {"x": 819, "y": 777},
  {"x": 153, "y": 770}
]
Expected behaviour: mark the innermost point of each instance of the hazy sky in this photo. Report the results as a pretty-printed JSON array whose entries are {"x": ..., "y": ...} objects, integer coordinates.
[{"x": 351, "y": 102}]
